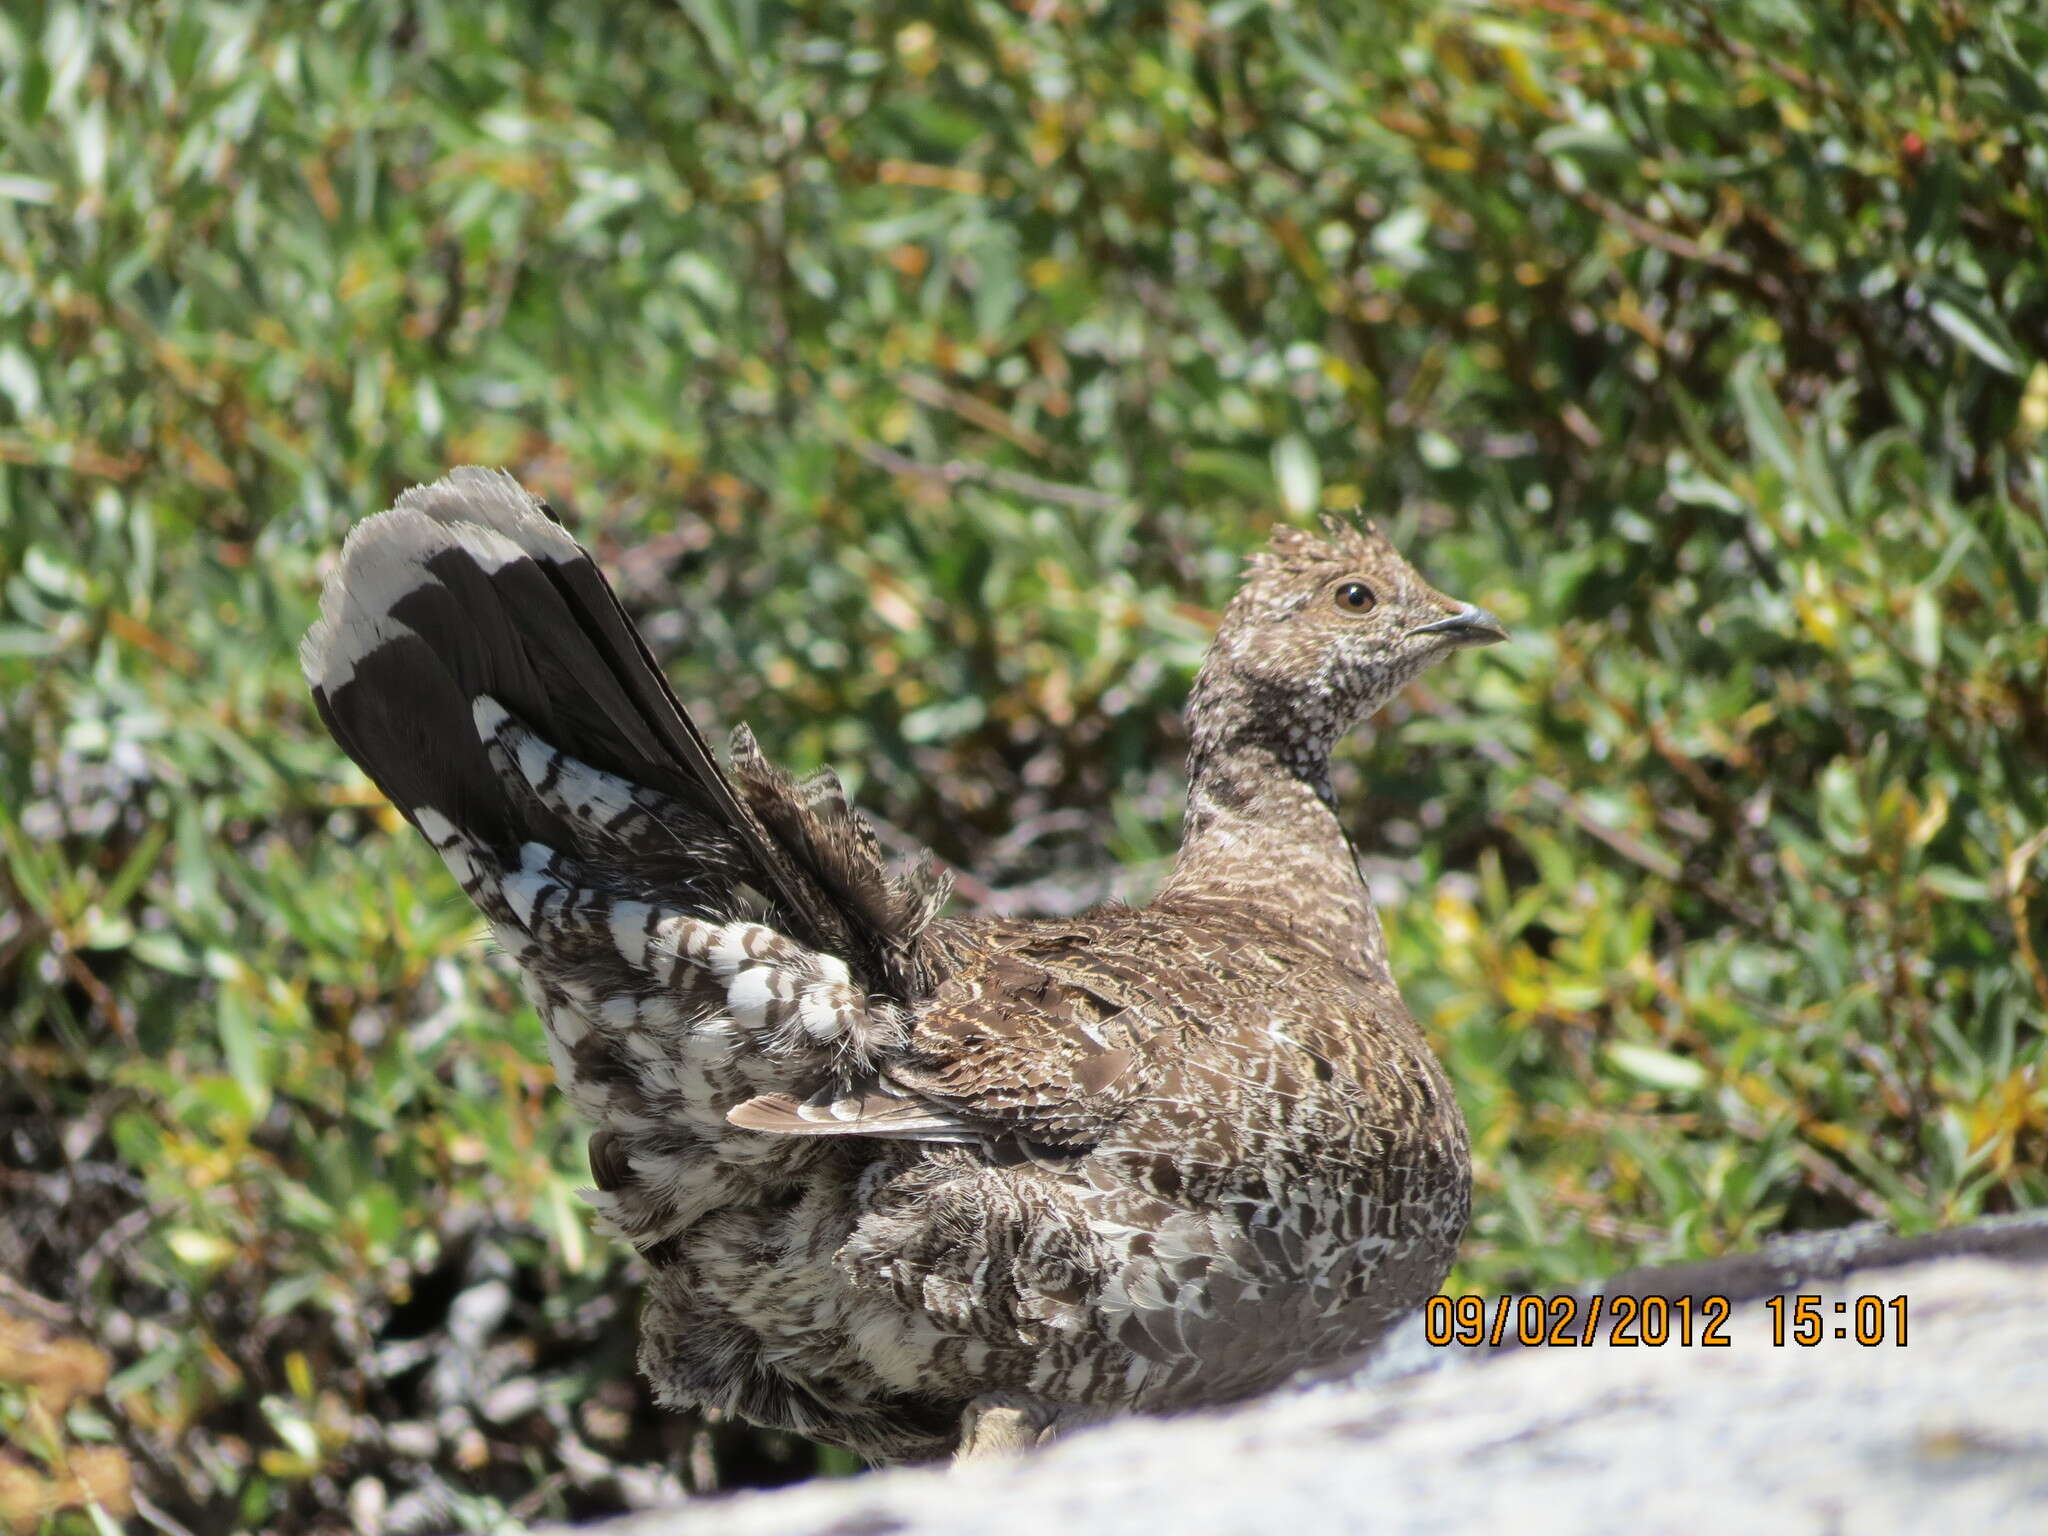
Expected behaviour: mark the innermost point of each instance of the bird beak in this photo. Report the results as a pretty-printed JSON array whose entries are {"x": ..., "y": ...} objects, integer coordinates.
[{"x": 1470, "y": 625}]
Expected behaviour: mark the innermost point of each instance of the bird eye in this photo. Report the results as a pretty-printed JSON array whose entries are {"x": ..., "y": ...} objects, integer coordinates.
[{"x": 1355, "y": 597}]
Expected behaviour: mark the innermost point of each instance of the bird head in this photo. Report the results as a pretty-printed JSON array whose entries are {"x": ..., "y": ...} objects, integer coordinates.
[{"x": 1324, "y": 630}]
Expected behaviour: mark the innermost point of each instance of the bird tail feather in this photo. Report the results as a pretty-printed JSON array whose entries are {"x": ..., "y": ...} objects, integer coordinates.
[{"x": 691, "y": 938}]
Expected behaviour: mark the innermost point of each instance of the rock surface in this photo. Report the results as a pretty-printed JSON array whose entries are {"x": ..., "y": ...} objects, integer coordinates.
[{"x": 1948, "y": 1431}]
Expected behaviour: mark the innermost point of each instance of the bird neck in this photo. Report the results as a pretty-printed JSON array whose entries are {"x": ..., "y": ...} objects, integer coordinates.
[{"x": 1262, "y": 833}]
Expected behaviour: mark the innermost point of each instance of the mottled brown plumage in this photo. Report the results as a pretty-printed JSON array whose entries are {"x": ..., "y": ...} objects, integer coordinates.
[{"x": 897, "y": 1176}]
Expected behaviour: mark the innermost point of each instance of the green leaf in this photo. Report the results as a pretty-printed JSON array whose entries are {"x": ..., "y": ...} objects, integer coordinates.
[
  {"x": 27, "y": 189},
  {"x": 1657, "y": 1069},
  {"x": 1295, "y": 472},
  {"x": 201, "y": 1250},
  {"x": 246, "y": 1051},
  {"x": 1980, "y": 331},
  {"x": 1770, "y": 433}
]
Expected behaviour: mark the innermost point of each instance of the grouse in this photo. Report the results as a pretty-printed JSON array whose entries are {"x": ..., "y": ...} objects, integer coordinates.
[{"x": 909, "y": 1183}]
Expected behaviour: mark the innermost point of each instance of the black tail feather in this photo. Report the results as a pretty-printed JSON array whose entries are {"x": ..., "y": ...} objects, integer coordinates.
[{"x": 468, "y": 588}]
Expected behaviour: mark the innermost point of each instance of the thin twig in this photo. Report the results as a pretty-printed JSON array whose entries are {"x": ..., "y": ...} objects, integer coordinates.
[
  {"x": 1634, "y": 850},
  {"x": 969, "y": 472},
  {"x": 1665, "y": 239},
  {"x": 942, "y": 396}
]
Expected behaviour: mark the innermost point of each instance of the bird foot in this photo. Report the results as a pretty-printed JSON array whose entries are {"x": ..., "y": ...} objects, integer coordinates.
[{"x": 1003, "y": 1424}]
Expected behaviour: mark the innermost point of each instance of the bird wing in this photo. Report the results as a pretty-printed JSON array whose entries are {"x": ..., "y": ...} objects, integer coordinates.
[{"x": 1047, "y": 1042}]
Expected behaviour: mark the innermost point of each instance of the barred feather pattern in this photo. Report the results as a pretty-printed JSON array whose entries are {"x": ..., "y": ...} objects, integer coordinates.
[{"x": 886, "y": 1166}]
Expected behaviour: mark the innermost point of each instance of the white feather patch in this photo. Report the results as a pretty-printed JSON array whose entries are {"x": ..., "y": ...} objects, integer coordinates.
[
  {"x": 629, "y": 924},
  {"x": 493, "y": 499},
  {"x": 578, "y": 790},
  {"x": 749, "y": 994},
  {"x": 384, "y": 560},
  {"x": 727, "y": 951},
  {"x": 522, "y": 893},
  {"x": 822, "y": 1009}
]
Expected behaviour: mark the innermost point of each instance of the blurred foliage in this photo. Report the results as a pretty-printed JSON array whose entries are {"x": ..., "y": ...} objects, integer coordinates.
[{"x": 923, "y": 374}]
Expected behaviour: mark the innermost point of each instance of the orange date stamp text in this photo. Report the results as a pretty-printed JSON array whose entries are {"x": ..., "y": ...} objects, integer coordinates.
[
  {"x": 1632, "y": 1322},
  {"x": 1622, "y": 1322}
]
